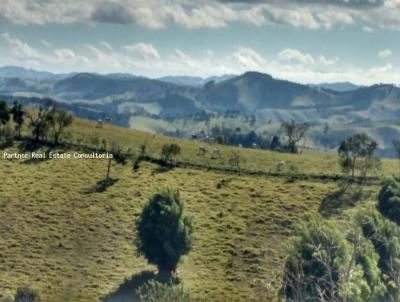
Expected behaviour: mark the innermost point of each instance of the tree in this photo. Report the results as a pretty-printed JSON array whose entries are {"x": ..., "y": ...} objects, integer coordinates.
[
  {"x": 169, "y": 152},
  {"x": 294, "y": 133},
  {"x": 4, "y": 113},
  {"x": 356, "y": 152},
  {"x": 39, "y": 120},
  {"x": 326, "y": 265},
  {"x": 385, "y": 237},
  {"x": 275, "y": 143},
  {"x": 58, "y": 120},
  {"x": 389, "y": 200},
  {"x": 164, "y": 232},
  {"x": 18, "y": 116}
]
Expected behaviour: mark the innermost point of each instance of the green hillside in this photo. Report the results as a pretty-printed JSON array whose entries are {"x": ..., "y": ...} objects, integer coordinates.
[{"x": 71, "y": 243}]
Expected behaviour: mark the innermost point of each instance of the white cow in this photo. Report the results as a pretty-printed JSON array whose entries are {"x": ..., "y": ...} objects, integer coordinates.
[
  {"x": 216, "y": 153},
  {"x": 202, "y": 150},
  {"x": 99, "y": 123}
]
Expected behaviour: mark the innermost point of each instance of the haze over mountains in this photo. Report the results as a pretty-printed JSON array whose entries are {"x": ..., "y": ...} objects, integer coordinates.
[{"x": 252, "y": 101}]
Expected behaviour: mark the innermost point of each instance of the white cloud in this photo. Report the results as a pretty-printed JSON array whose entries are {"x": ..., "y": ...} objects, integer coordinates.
[
  {"x": 205, "y": 13},
  {"x": 294, "y": 56},
  {"x": 20, "y": 50},
  {"x": 294, "y": 17},
  {"x": 385, "y": 53},
  {"x": 247, "y": 58},
  {"x": 143, "y": 51},
  {"x": 368, "y": 29},
  {"x": 290, "y": 63}
]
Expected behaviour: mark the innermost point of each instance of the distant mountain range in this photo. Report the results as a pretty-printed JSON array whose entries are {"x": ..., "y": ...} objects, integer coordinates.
[{"x": 133, "y": 100}]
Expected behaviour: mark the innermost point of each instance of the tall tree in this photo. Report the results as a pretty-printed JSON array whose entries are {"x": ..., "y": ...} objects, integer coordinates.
[
  {"x": 294, "y": 133},
  {"x": 39, "y": 120},
  {"x": 4, "y": 113},
  {"x": 18, "y": 116},
  {"x": 356, "y": 152},
  {"x": 58, "y": 121}
]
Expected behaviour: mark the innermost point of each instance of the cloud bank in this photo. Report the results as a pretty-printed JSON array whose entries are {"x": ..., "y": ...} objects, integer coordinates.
[
  {"x": 145, "y": 59},
  {"x": 157, "y": 14}
]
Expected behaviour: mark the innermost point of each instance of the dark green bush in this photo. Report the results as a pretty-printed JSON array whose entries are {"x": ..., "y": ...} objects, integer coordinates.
[
  {"x": 389, "y": 200},
  {"x": 164, "y": 232}
]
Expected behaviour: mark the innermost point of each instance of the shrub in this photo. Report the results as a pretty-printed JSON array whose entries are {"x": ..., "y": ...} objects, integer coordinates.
[
  {"x": 6, "y": 137},
  {"x": 325, "y": 265},
  {"x": 389, "y": 200},
  {"x": 164, "y": 232},
  {"x": 385, "y": 237},
  {"x": 169, "y": 152},
  {"x": 154, "y": 291}
]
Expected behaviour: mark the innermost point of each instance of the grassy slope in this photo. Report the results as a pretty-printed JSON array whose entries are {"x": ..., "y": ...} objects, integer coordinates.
[{"x": 74, "y": 246}]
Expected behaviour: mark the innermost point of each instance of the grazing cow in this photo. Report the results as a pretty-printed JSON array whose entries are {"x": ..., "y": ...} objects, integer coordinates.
[
  {"x": 254, "y": 145},
  {"x": 280, "y": 165},
  {"x": 240, "y": 146},
  {"x": 216, "y": 153},
  {"x": 99, "y": 123},
  {"x": 108, "y": 119},
  {"x": 202, "y": 150}
]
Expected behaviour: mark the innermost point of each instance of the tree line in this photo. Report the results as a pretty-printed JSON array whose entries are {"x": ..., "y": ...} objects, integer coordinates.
[{"x": 46, "y": 121}]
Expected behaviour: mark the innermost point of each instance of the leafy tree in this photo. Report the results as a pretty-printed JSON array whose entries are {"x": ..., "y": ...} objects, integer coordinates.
[
  {"x": 169, "y": 152},
  {"x": 58, "y": 120},
  {"x": 389, "y": 200},
  {"x": 294, "y": 133},
  {"x": 25, "y": 294},
  {"x": 385, "y": 237},
  {"x": 4, "y": 113},
  {"x": 220, "y": 139},
  {"x": 325, "y": 265},
  {"x": 275, "y": 143},
  {"x": 164, "y": 232},
  {"x": 154, "y": 291},
  {"x": 39, "y": 120},
  {"x": 356, "y": 152},
  {"x": 18, "y": 116}
]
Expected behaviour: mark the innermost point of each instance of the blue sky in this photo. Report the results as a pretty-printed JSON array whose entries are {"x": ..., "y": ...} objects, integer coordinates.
[{"x": 307, "y": 41}]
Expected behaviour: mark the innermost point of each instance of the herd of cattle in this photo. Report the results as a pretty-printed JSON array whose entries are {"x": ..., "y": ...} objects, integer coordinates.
[{"x": 216, "y": 153}]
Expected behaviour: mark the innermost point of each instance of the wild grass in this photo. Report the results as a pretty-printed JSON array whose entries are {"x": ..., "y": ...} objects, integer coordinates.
[{"x": 71, "y": 245}]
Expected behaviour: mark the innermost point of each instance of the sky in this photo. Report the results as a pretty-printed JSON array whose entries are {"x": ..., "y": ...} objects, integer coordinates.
[{"x": 306, "y": 41}]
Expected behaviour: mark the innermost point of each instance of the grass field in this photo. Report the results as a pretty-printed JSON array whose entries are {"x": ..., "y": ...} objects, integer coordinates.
[{"x": 75, "y": 245}]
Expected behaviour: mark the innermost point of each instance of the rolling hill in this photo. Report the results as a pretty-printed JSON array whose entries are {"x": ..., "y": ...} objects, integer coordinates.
[
  {"x": 73, "y": 244},
  {"x": 255, "y": 96}
]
